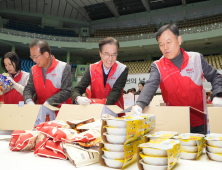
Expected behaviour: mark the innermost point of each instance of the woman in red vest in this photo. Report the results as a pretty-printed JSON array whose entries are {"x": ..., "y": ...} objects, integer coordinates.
[{"x": 11, "y": 63}]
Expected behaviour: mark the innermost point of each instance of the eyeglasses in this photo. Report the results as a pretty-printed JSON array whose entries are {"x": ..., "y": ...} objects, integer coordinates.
[
  {"x": 112, "y": 56},
  {"x": 35, "y": 57}
]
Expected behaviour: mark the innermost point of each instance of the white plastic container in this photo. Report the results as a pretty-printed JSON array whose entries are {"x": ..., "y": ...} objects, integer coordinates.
[
  {"x": 116, "y": 131},
  {"x": 152, "y": 167},
  {"x": 114, "y": 155},
  {"x": 191, "y": 149},
  {"x": 116, "y": 123},
  {"x": 154, "y": 152},
  {"x": 115, "y": 139},
  {"x": 189, "y": 143},
  {"x": 214, "y": 157},
  {"x": 215, "y": 143},
  {"x": 184, "y": 155},
  {"x": 113, "y": 163},
  {"x": 156, "y": 160},
  {"x": 114, "y": 147},
  {"x": 214, "y": 150}
]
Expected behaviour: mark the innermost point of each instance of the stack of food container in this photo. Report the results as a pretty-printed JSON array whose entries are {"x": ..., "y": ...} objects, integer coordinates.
[
  {"x": 158, "y": 154},
  {"x": 191, "y": 145},
  {"x": 214, "y": 146},
  {"x": 116, "y": 136},
  {"x": 121, "y": 137}
]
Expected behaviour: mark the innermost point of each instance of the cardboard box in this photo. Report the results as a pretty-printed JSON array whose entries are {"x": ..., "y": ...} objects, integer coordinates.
[
  {"x": 171, "y": 118},
  {"x": 15, "y": 117},
  {"x": 156, "y": 100},
  {"x": 130, "y": 150},
  {"x": 215, "y": 117},
  {"x": 80, "y": 112}
]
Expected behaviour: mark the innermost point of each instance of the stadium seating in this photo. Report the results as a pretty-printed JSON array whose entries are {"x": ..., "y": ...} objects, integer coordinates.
[
  {"x": 122, "y": 32},
  {"x": 28, "y": 63},
  {"x": 215, "y": 61},
  {"x": 34, "y": 28},
  {"x": 197, "y": 22}
]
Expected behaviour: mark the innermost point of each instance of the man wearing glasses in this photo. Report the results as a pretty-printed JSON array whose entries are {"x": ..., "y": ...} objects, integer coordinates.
[
  {"x": 106, "y": 77},
  {"x": 50, "y": 79}
]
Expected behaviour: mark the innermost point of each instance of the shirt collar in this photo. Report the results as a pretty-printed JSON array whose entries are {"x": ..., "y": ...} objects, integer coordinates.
[{"x": 106, "y": 71}]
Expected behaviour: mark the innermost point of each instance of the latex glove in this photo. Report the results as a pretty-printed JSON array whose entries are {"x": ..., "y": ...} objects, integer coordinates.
[
  {"x": 30, "y": 103},
  {"x": 83, "y": 100},
  {"x": 217, "y": 102},
  {"x": 46, "y": 103},
  {"x": 137, "y": 110},
  {"x": 18, "y": 87}
]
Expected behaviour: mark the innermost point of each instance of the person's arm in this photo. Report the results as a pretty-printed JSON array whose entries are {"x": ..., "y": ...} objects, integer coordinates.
[
  {"x": 66, "y": 87},
  {"x": 212, "y": 76},
  {"x": 150, "y": 87},
  {"x": 117, "y": 89},
  {"x": 29, "y": 89},
  {"x": 81, "y": 86},
  {"x": 18, "y": 87}
]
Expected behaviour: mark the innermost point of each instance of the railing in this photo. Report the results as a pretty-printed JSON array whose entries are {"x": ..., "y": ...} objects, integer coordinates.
[
  {"x": 39, "y": 36},
  {"x": 120, "y": 39}
]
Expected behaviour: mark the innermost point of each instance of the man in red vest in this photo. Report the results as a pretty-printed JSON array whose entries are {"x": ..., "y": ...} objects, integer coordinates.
[
  {"x": 50, "y": 79},
  {"x": 179, "y": 75},
  {"x": 106, "y": 77}
]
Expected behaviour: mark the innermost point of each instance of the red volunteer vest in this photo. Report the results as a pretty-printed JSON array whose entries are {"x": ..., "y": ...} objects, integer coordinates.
[
  {"x": 183, "y": 88},
  {"x": 52, "y": 83},
  {"x": 97, "y": 86},
  {"x": 13, "y": 97}
]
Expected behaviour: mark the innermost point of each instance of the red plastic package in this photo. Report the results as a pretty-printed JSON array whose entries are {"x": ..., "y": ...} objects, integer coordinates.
[
  {"x": 98, "y": 101},
  {"x": 49, "y": 152},
  {"x": 57, "y": 134},
  {"x": 15, "y": 136},
  {"x": 86, "y": 136},
  {"x": 54, "y": 123},
  {"x": 26, "y": 141},
  {"x": 40, "y": 141},
  {"x": 55, "y": 146}
]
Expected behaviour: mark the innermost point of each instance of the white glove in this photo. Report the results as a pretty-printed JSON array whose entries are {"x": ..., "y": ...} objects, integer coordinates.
[
  {"x": 217, "y": 102},
  {"x": 83, "y": 100},
  {"x": 18, "y": 87},
  {"x": 30, "y": 103},
  {"x": 137, "y": 110},
  {"x": 46, "y": 103}
]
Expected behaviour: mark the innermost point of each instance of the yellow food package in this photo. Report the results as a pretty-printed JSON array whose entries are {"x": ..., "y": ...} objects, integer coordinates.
[
  {"x": 192, "y": 140},
  {"x": 168, "y": 149}
]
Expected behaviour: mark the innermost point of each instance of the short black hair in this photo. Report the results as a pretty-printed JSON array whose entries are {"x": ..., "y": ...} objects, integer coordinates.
[
  {"x": 108, "y": 40},
  {"x": 172, "y": 27},
  {"x": 129, "y": 90},
  {"x": 142, "y": 83},
  {"x": 133, "y": 89},
  {"x": 13, "y": 57},
  {"x": 42, "y": 44}
]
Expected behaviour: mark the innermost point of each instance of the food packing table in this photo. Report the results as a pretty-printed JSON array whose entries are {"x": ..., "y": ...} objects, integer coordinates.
[{"x": 10, "y": 160}]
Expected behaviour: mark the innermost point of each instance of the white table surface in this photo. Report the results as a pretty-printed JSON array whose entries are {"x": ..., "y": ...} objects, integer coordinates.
[{"x": 10, "y": 160}]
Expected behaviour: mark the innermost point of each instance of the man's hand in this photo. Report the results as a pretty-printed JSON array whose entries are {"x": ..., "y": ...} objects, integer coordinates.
[
  {"x": 137, "y": 110},
  {"x": 30, "y": 103},
  {"x": 83, "y": 100},
  {"x": 217, "y": 101},
  {"x": 46, "y": 103}
]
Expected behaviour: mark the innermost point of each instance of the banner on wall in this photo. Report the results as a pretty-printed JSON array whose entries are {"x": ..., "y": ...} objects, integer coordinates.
[{"x": 134, "y": 79}]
